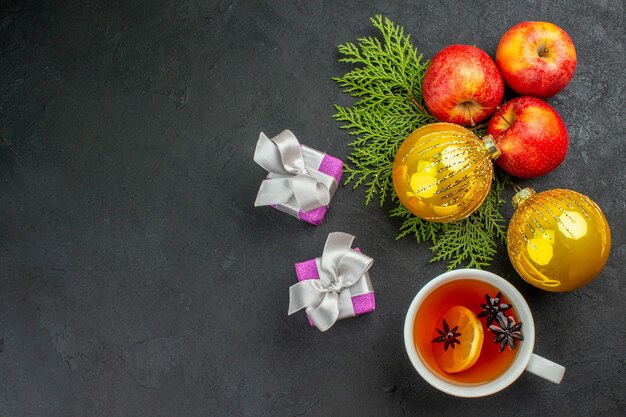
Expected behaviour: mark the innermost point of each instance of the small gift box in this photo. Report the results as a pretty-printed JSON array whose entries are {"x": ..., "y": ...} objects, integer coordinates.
[
  {"x": 301, "y": 181},
  {"x": 334, "y": 286}
]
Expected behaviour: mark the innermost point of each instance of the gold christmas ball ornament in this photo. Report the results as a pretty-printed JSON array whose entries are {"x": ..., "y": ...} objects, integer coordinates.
[
  {"x": 442, "y": 172},
  {"x": 558, "y": 240}
]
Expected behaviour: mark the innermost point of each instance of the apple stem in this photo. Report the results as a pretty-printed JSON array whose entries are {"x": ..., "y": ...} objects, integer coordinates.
[
  {"x": 469, "y": 112},
  {"x": 503, "y": 118}
]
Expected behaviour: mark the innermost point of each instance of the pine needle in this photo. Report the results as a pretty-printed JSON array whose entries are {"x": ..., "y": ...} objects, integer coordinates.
[{"x": 387, "y": 82}]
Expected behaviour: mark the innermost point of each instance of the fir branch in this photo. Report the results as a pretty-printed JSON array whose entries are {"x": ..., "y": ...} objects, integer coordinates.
[
  {"x": 472, "y": 242},
  {"x": 412, "y": 225},
  {"x": 386, "y": 81}
]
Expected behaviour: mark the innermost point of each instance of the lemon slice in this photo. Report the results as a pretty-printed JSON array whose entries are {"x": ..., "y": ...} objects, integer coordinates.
[
  {"x": 466, "y": 352},
  {"x": 540, "y": 250},
  {"x": 572, "y": 225},
  {"x": 423, "y": 184}
]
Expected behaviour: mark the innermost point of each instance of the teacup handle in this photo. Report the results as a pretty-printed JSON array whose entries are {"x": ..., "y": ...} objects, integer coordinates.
[{"x": 546, "y": 369}]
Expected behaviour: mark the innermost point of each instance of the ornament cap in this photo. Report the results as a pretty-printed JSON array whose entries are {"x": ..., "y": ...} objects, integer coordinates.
[
  {"x": 490, "y": 145},
  {"x": 521, "y": 195}
]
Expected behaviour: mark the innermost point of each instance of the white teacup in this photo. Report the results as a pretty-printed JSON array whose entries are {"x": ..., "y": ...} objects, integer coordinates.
[{"x": 525, "y": 359}]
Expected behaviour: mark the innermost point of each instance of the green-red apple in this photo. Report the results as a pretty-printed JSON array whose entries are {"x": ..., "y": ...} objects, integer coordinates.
[
  {"x": 536, "y": 58},
  {"x": 462, "y": 85}
]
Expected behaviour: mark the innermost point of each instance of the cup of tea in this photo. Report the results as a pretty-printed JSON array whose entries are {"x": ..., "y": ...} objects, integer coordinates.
[{"x": 470, "y": 333}]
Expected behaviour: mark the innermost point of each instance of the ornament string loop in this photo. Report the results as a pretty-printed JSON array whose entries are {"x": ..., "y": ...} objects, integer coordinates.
[
  {"x": 288, "y": 176},
  {"x": 341, "y": 267}
]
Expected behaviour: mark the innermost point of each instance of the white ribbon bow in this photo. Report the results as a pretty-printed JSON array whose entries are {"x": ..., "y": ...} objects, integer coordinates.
[
  {"x": 340, "y": 268},
  {"x": 288, "y": 177}
]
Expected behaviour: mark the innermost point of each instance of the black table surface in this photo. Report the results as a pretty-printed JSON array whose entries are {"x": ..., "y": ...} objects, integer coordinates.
[{"x": 137, "y": 278}]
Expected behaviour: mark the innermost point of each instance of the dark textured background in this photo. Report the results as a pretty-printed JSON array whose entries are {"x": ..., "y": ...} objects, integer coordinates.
[{"x": 136, "y": 278}]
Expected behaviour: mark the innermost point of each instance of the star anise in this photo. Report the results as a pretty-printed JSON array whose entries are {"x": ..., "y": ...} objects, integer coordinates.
[
  {"x": 507, "y": 333},
  {"x": 447, "y": 336},
  {"x": 493, "y": 309}
]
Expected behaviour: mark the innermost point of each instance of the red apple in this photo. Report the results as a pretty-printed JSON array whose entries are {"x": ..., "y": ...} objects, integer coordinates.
[
  {"x": 531, "y": 136},
  {"x": 462, "y": 85},
  {"x": 536, "y": 58}
]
